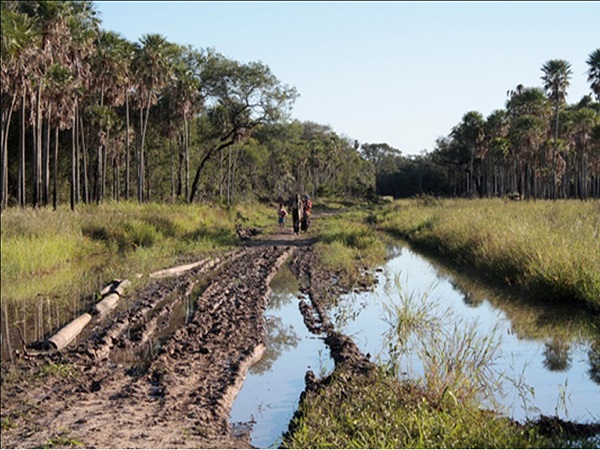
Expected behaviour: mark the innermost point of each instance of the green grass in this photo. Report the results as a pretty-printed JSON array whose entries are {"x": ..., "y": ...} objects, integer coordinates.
[
  {"x": 55, "y": 262},
  {"x": 378, "y": 411},
  {"x": 347, "y": 244},
  {"x": 548, "y": 248}
]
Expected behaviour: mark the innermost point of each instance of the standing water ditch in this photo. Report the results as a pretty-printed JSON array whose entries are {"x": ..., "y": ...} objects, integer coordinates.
[{"x": 541, "y": 359}]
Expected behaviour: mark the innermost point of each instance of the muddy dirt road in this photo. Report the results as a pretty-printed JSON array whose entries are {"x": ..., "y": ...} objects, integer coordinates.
[{"x": 150, "y": 376}]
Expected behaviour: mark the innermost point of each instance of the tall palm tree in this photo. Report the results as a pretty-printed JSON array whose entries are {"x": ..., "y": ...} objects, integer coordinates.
[
  {"x": 19, "y": 43},
  {"x": 152, "y": 69},
  {"x": 556, "y": 81},
  {"x": 594, "y": 72},
  {"x": 110, "y": 66},
  {"x": 470, "y": 134}
]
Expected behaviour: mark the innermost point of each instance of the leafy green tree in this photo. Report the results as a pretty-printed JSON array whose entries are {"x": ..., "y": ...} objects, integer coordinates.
[
  {"x": 470, "y": 135},
  {"x": 20, "y": 39},
  {"x": 240, "y": 97},
  {"x": 152, "y": 68}
]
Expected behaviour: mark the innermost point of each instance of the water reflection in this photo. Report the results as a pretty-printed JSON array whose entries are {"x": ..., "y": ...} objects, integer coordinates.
[
  {"x": 556, "y": 355},
  {"x": 594, "y": 360},
  {"x": 272, "y": 387},
  {"x": 281, "y": 338},
  {"x": 547, "y": 357}
]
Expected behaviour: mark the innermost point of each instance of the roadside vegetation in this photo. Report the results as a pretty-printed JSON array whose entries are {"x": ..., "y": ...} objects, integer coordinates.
[
  {"x": 546, "y": 248},
  {"x": 549, "y": 249},
  {"x": 55, "y": 262}
]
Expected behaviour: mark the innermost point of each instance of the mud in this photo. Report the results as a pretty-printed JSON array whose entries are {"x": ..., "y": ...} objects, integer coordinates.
[{"x": 163, "y": 371}]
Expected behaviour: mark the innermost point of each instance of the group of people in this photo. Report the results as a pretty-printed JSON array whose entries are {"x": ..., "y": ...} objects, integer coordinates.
[{"x": 301, "y": 212}]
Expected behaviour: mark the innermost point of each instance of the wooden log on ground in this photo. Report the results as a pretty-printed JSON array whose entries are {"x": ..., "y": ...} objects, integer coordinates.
[
  {"x": 107, "y": 304},
  {"x": 174, "y": 271},
  {"x": 68, "y": 333}
]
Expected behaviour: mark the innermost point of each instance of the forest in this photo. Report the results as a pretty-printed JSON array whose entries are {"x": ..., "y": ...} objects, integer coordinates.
[{"x": 89, "y": 116}]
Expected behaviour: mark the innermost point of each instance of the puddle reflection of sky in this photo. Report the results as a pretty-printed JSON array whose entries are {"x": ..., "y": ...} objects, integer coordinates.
[{"x": 272, "y": 388}]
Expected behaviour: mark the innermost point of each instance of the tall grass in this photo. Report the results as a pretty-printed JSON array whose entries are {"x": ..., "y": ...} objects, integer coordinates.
[
  {"x": 347, "y": 244},
  {"x": 61, "y": 259},
  {"x": 442, "y": 408},
  {"x": 548, "y": 248}
]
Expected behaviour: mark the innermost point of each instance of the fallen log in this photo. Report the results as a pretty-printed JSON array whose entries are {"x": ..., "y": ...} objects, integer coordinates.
[
  {"x": 174, "y": 271},
  {"x": 107, "y": 304},
  {"x": 110, "y": 301},
  {"x": 69, "y": 332}
]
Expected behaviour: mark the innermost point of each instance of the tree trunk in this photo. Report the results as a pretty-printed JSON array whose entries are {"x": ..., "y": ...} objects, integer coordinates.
[
  {"x": 86, "y": 184},
  {"x": 46, "y": 161},
  {"x": 202, "y": 164},
  {"x": 55, "y": 171},
  {"x": 74, "y": 160},
  {"x": 21, "y": 181},
  {"x": 6, "y": 118},
  {"x": 127, "y": 150}
]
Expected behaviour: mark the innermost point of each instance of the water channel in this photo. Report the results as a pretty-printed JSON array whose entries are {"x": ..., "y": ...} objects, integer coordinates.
[{"x": 546, "y": 359}]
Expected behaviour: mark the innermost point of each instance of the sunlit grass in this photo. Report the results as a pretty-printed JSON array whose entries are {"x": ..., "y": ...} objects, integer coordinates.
[
  {"x": 66, "y": 257},
  {"x": 347, "y": 244},
  {"x": 549, "y": 248}
]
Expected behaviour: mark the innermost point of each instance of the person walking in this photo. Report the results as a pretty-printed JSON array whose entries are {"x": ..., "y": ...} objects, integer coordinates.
[
  {"x": 306, "y": 207},
  {"x": 297, "y": 212},
  {"x": 282, "y": 214}
]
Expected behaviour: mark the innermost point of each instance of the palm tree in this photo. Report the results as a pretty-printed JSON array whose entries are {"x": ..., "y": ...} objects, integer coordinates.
[
  {"x": 594, "y": 72},
  {"x": 470, "y": 134},
  {"x": 19, "y": 43},
  {"x": 556, "y": 81},
  {"x": 152, "y": 69}
]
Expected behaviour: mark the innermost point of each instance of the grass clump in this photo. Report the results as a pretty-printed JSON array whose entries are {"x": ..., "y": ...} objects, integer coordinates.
[
  {"x": 379, "y": 411},
  {"x": 347, "y": 244}
]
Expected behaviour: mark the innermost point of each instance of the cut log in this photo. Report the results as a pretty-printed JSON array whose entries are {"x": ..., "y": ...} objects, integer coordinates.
[
  {"x": 69, "y": 332},
  {"x": 107, "y": 304}
]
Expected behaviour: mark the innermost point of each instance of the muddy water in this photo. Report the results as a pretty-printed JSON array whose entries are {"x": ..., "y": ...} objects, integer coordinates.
[
  {"x": 546, "y": 359},
  {"x": 272, "y": 388}
]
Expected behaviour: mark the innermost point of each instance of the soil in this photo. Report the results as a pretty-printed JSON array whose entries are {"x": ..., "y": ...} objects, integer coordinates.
[{"x": 163, "y": 371}]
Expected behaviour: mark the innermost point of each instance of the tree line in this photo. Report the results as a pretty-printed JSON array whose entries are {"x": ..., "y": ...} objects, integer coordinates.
[
  {"x": 88, "y": 115},
  {"x": 537, "y": 146}
]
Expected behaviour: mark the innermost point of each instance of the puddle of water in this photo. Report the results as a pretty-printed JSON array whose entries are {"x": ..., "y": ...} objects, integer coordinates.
[
  {"x": 552, "y": 353},
  {"x": 271, "y": 391}
]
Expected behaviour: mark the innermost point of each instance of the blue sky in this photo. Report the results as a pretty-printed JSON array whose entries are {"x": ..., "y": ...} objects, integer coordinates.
[{"x": 403, "y": 73}]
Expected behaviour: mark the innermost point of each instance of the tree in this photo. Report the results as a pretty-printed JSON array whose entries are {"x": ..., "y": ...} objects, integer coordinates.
[
  {"x": 19, "y": 42},
  {"x": 470, "y": 134},
  {"x": 594, "y": 72},
  {"x": 152, "y": 69},
  {"x": 556, "y": 81},
  {"x": 241, "y": 97}
]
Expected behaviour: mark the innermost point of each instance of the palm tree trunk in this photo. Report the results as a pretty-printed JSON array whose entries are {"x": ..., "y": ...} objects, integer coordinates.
[
  {"x": 37, "y": 159},
  {"x": 86, "y": 184},
  {"x": 46, "y": 161},
  {"x": 55, "y": 170},
  {"x": 187, "y": 158},
  {"x": 4, "y": 140},
  {"x": 21, "y": 180},
  {"x": 127, "y": 150},
  {"x": 554, "y": 190},
  {"x": 74, "y": 160}
]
